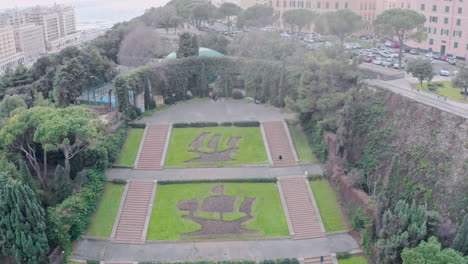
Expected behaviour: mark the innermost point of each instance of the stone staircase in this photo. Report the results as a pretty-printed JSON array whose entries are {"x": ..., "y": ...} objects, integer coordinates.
[
  {"x": 153, "y": 147},
  {"x": 134, "y": 217},
  {"x": 305, "y": 221},
  {"x": 278, "y": 143},
  {"x": 316, "y": 260}
]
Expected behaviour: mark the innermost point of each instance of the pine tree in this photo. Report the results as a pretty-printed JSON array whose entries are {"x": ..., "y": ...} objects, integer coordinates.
[
  {"x": 68, "y": 83},
  {"x": 22, "y": 225},
  {"x": 62, "y": 184},
  {"x": 460, "y": 243},
  {"x": 188, "y": 45},
  {"x": 26, "y": 176}
]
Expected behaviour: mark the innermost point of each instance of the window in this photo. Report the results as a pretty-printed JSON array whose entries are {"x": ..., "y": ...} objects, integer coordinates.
[
  {"x": 434, "y": 8},
  {"x": 319, "y": 5},
  {"x": 466, "y": 46},
  {"x": 429, "y": 30},
  {"x": 433, "y": 19},
  {"x": 447, "y": 9},
  {"x": 346, "y": 5},
  {"x": 337, "y": 5},
  {"x": 457, "y": 33},
  {"x": 277, "y": 3},
  {"x": 423, "y": 6},
  {"x": 431, "y": 42},
  {"x": 455, "y": 45},
  {"x": 327, "y": 5},
  {"x": 460, "y": 10},
  {"x": 446, "y": 20},
  {"x": 284, "y": 4},
  {"x": 435, "y": 30},
  {"x": 458, "y": 22}
]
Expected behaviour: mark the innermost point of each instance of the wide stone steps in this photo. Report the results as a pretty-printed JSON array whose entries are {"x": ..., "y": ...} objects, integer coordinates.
[
  {"x": 153, "y": 147},
  {"x": 304, "y": 220},
  {"x": 133, "y": 217},
  {"x": 278, "y": 143},
  {"x": 316, "y": 260}
]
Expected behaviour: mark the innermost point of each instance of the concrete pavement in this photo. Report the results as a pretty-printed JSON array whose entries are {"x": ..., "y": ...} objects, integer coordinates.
[
  {"x": 213, "y": 173},
  {"x": 403, "y": 87},
  {"x": 214, "y": 250}
]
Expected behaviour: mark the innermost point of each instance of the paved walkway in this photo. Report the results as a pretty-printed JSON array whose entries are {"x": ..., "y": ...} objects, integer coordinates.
[
  {"x": 213, "y": 173},
  {"x": 152, "y": 151},
  {"x": 403, "y": 87},
  {"x": 216, "y": 250},
  {"x": 229, "y": 110},
  {"x": 279, "y": 145},
  {"x": 304, "y": 218}
]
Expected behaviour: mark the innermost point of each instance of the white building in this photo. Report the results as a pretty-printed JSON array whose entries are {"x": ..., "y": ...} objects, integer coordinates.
[
  {"x": 29, "y": 38},
  {"x": 9, "y": 57}
]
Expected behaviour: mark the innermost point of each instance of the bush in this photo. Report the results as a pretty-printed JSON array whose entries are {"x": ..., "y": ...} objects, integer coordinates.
[
  {"x": 93, "y": 262},
  {"x": 237, "y": 95},
  {"x": 226, "y": 124},
  {"x": 343, "y": 255},
  {"x": 119, "y": 181},
  {"x": 253, "y": 180},
  {"x": 180, "y": 125},
  {"x": 203, "y": 124},
  {"x": 246, "y": 123},
  {"x": 137, "y": 125}
]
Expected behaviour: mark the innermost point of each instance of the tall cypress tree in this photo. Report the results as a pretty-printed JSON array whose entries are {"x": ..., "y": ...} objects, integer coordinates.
[
  {"x": 26, "y": 176},
  {"x": 22, "y": 223},
  {"x": 460, "y": 243},
  {"x": 62, "y": 184}
]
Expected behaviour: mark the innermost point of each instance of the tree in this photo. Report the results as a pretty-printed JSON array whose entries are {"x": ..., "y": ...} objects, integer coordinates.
[
  {"x": 203, "y": 13},
  {"x": 141, "y": 45},
  {"x": 461, "y": 79},
  {"x": 340, "y": 23},
  {"x": 403, "y": 24},
  {"x": 403, "y": 226},
  {"x": 10, "y": 103},
  {"x": 214, "y": 41},
  {"x": 69, "y": 82},
  {"x": 165, "y": 17},
  {"x": 26, "y": 177},
  {"x": 460, "y": 242},
  {"x": 298, "y": 18},
  {"x": 256, "y": 16},
  {"x": 229, "y": 10},
  {"x": 432, "y": 252},
  {"x": 188, "y": 45},
  {"x": 421, "y": 69},
  {"x": 62, "y": 184},
  {"x": 22, "y": 225}
]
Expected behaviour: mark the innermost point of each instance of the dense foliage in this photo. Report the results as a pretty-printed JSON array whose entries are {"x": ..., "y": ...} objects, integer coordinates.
[{"x": 431, "y": 252}]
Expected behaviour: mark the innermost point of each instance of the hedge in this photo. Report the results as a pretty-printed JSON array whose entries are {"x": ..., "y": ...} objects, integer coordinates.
[
  {"x": 276, "y": 261},
  {"x": 226, "y": 124},
  {"x": 246, "y": 123},
  {"x": 259, "y": 180},
  {"x": 204, "y": 124},
  {"x": 180, "y": 125},
  {"x": 137, "y": 125}
]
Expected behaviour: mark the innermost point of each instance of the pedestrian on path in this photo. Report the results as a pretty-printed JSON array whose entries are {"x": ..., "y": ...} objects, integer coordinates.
[
  {"x": 321, "y": 259},
  {"x": 280, "y": 158}
]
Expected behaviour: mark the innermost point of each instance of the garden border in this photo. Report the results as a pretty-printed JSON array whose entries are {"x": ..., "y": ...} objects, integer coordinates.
[
  {"x": 166, "y": 146},
  {"x": 314, "y": 204},
  {"x": 119, "y": 212},
  {"x": 265, "y": 143},
  {"x": 291, "y": 143},
  {"x": 140, "y": 148},
  {"x": 285, "y": 207}
]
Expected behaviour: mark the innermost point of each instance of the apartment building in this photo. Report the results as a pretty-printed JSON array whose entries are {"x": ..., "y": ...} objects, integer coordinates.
[
  {"x": 244, "y": 4},
  {"x": 9, "y": 57},
  {"x": 29, "y": 39},
  {"x": 446, "y": 25}
]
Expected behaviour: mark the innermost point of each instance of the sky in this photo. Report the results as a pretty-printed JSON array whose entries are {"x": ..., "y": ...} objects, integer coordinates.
[{"x": 134, "y": 4}]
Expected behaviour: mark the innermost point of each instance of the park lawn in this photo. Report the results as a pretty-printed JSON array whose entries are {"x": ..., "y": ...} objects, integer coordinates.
[
  {"x": 102, "y": 221},
  {"x": 129, "y": 151},
  {"x": 329, "y": 209},
  {"x": 251, "y": 146},
  {"x": 303, "y": 149},
  {"x": 354, "y": 260},
  {"x": 166, "y": 222},
  {"x": 447, "y": 90}
]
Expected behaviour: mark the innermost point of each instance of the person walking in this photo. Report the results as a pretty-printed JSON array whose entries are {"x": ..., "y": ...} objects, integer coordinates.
[
  {"x": 321, "y": 259},
  {"x": 280, "y": 158}
]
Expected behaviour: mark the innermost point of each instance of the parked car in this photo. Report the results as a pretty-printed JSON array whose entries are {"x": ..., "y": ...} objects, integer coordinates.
[
  {"x": 395, "y": 45},
  {"x": 444, "y": 72},
  {"x": 429, "y": 54},
  {"x": 414, "y": 51},
  {"x": 397, "y": 66},
  {"x": 377, "y": 61},
  {"x": 451, "y": 61},
  {"x": 387, "y": 62},
  {"x": 388, "y": 43},
  {"x": 369, "y": 59},
  {"x": 441, "y": 57}
]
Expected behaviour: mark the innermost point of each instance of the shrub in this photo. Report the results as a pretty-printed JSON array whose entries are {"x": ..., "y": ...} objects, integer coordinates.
[
  {"x": 226, "y": 124},
  {"x": 237, "y": 95},
  {"x": 93, "y": 262},
  {"x": 137, "y": 125},
  {"x": 246, "y": 123},
  {"x": 180, "y": 125},
  {"x": 203, "y": 124},
  {"x": 119, "y": 181},
  {"x": 169, "y": 182},
  {"x": 343, "y": 255}
]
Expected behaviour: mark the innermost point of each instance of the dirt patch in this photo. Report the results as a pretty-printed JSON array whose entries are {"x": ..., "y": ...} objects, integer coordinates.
[
  {"x": 216, "y": 155},
  {"x": 221, "y": 204}
]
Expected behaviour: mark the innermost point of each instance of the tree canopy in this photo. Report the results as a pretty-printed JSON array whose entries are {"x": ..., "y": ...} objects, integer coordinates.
[
  {"x": 461, "y": 80},
  {"x": 421, "y": 69},
  {"x": 188, "y": 45},
  {"x": 299, "y": 18},
  {"x": 256, "y": 16},
  {"x": 69, "y": 82},
  {"x": 340, "y": 23},
  {"x": 431, "y": 252},
  {"x": 229, "y": 10}
]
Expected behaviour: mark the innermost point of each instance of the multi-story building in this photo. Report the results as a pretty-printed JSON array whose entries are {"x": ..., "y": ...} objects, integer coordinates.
[
  {"x": 244, "y": 4},
  {"x": 9, "y": 57},
  {"x": 29, "y": 38},
  {"x": 446, "y": 25}
]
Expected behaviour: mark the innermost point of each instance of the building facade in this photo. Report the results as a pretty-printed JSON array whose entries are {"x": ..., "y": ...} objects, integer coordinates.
[
  {"x": 9, "y": 57},
  {"x": 446, "y": 25},
  {"x": 29, "y": 39}
]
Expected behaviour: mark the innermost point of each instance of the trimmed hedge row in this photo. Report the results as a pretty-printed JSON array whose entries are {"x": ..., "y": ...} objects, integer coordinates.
[
  {"x": 215, "y": 124},
  {"x": 137, "y": 125},
  {"x": 275, "y": 261},
  {"x": 259, "y": 180}
]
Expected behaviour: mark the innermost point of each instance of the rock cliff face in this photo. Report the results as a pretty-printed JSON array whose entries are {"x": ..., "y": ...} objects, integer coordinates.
[{"x": 394, "y": 148}]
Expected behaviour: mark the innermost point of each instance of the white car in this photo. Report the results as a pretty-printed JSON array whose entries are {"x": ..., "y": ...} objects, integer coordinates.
[
  {"x": 388, "y": 43},
  {"x": 377, "y": 61},
  {"x": 444, "y": 73},
  {"x": 429, "y": 54},
  {"x": 397, "y": 66}
]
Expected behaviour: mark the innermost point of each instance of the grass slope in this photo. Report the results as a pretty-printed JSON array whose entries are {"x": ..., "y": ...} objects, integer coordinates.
[
  {"x": 329, "y": 209},
  {"x": 130, "y": 149},
  {"x": 251, "y": 147},
  {"x": 303, "y": 149},
  {"x": 166, "y": 222},
  {"x": 354, "y": 260},
  {"x": 104, "y": 217},
  {"x": 446, "y": 90}
]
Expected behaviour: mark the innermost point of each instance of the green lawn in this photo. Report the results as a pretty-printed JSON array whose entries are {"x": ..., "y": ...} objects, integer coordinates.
[
  {"x": 166, "y": 222},
  {"x": 251, "y": 147},
  {"x": 301, "y": 144},
  {"x": 353, "y": 260},
  {"x": 103, "y": 219},
  {"x": 329, "y": 209},
  {"x": 446, "y": 90},
  {"x": 130, "y": 149}
]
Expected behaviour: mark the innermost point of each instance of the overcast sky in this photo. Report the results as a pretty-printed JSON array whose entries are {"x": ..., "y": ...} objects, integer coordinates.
[{"x": 133, "y": 4}]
